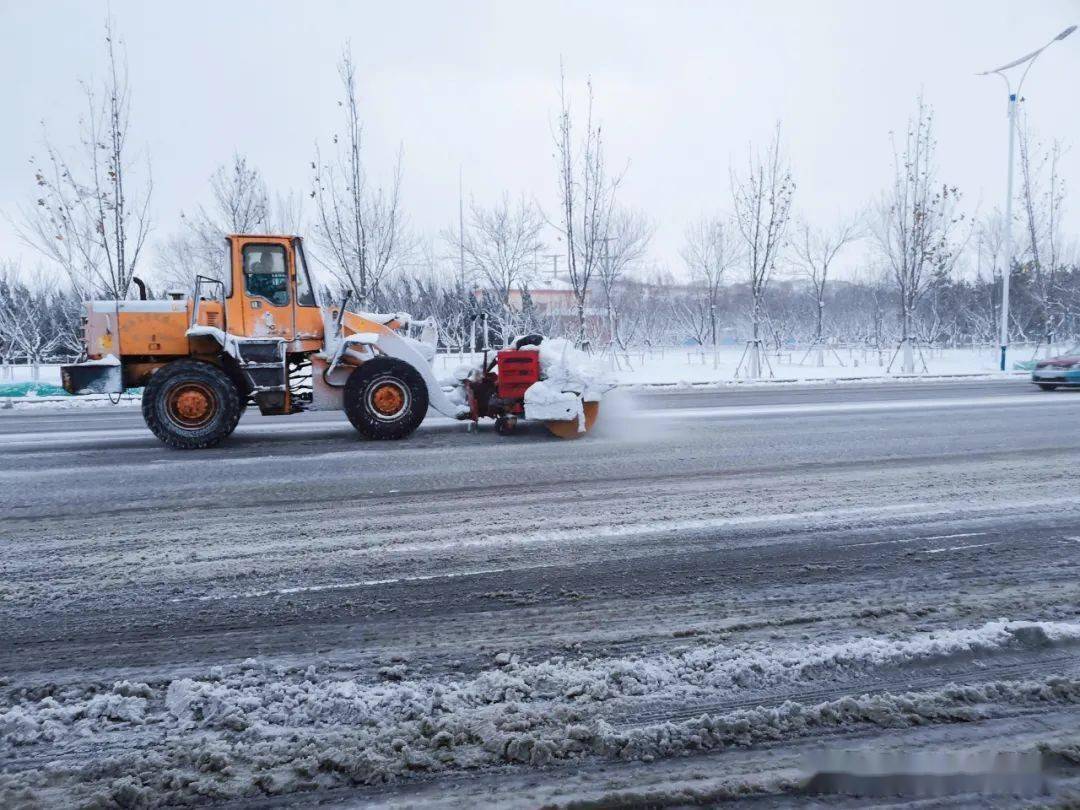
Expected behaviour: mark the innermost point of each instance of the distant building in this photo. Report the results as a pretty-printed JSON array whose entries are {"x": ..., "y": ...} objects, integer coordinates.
[{"x": 549, "y": 295}]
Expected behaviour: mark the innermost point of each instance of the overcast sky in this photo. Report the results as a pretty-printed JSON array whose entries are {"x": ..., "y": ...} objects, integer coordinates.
[{"x": 682, "y": 89}]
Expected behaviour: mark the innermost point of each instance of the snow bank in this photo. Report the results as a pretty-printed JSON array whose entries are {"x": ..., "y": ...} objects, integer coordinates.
[
  {"x": 255, "y": 729},
  {"x": 694, "y": 366}
]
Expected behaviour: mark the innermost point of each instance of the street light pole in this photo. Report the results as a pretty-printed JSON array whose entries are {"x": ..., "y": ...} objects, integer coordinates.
[
  {"x": 1014, "y": 96},
  {"x": 1007, "y": 272}
]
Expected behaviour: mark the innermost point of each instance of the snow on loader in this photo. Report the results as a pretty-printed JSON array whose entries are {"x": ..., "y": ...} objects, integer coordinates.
[{"x": 261, "y": 337}]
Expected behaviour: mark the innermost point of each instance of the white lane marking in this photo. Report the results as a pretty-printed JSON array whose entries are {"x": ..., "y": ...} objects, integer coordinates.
[
  {"x": 363, "y": 583},
  {"x": 620, "y": 531},
  {"x": 601, "y": 533},
  {"x": 850, "y": 407},
  {"x": 957, "y": 548},
  {"x": 915, "y": 539},
  {"x": 953, "y": 536}
]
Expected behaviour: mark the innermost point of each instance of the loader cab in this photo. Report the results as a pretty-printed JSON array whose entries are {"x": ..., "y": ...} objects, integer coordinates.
[{"x": 271, "y": 292}]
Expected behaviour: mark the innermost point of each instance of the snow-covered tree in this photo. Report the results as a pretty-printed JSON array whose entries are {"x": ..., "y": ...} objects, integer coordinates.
[
  {"x": 586, "y": 197},
  {"x": 815, "y": 249},
  {"x": 762, "y": 208},
  {"x": 917, "y": 223},
  {"x": 1042, "y": 195},
  {"x": 500, "y": 244},
  {"x": 709, "y": 251}
]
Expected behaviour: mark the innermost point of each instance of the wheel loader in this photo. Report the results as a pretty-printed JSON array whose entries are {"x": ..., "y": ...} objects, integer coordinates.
[{"x": 261, "y": 337}]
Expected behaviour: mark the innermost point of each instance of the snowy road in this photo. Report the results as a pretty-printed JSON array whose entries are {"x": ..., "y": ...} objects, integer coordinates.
[{"x": 675, "y": 609}]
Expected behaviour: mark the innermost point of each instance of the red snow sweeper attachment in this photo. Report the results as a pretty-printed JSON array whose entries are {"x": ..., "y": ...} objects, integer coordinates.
[{"x": 498, "y": 392}]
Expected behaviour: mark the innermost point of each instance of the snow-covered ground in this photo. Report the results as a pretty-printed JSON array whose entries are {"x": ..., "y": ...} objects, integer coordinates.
[{"x": 695, "y": 365}]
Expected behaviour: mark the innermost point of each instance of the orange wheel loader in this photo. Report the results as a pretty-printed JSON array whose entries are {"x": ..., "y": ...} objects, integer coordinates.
[{"x": 261, "y": 337}]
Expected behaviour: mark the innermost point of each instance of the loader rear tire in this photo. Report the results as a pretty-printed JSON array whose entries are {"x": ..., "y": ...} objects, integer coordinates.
[
  {"x": 386, "y": 398},
  {"x": 190, "y": 405}
]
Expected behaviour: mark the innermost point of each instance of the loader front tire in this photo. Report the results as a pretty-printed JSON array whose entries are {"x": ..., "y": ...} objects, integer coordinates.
[
  {"x": 190, "y": 405},
  {"x": 386, "y": 398}
]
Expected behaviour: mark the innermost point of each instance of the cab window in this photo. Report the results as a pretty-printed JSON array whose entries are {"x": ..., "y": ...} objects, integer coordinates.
[
  {"x": 224, "y": 271},
  {"x": 305, "y": 294},
  {"x": 266, "y": 273}
]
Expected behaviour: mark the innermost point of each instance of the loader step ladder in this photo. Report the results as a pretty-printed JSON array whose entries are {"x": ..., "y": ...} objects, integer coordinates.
[{"x": 263, "y": 362}]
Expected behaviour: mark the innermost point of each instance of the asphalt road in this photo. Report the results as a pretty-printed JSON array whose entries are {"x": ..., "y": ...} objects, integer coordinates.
[{"x": 878, "y": 531}]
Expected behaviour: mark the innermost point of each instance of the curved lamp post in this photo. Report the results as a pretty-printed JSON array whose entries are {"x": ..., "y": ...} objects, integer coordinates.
[{"x": 1028, "y": 60}]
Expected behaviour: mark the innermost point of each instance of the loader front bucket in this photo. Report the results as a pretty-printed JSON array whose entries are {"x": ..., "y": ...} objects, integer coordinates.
[{"x": 95, "y": 377}]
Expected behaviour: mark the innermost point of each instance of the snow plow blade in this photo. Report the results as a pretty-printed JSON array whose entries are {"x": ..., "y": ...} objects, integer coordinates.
[{"x": 570, "y": 429}]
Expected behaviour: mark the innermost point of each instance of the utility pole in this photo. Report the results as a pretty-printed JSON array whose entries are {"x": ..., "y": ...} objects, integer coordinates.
[
  {"x": 461, "y": 227},
  {"x": 554, "y": 264},
  {"x": 1014, "y": 97}
]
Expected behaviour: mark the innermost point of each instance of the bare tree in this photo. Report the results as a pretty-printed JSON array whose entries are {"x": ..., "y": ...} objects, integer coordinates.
[
  {"x": 814, "y": 250},
  {"x": 241, "y": 196},
  {"x": 646, "y": 308},
  {"x": 241, "y": 204},
  {"x": 762, "y": 207},
  {"x": 917, "y": 221},
  {"x": 500, "y": 244},
  {"x": 360, "y": 228},
  {"x": 587, "y": 198},
  {"x": 1042, "y": 194},
  {"x": 89, "y": 215},
  {"x": 990, "y": 261},
  {"x": 627, "y": 240},
  {"x": 709, "y": 251}
]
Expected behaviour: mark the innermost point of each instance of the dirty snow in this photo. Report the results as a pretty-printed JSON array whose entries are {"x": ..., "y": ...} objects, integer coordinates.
[{"x": 260, "y": 727}]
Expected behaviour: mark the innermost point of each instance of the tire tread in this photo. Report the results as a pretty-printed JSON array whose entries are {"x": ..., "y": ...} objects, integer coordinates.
[{"x": 155, "y": 388}]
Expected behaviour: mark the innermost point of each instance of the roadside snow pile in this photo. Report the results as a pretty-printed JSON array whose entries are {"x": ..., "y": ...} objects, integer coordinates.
[
  {"x": 259, "y": 729},
  {"x": 74, "y": 712},
  {"x": 256, "y": 695}
]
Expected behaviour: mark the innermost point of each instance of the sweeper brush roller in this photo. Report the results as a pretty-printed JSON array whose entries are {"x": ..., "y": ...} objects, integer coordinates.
[{"x": 570, "y": 429}]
